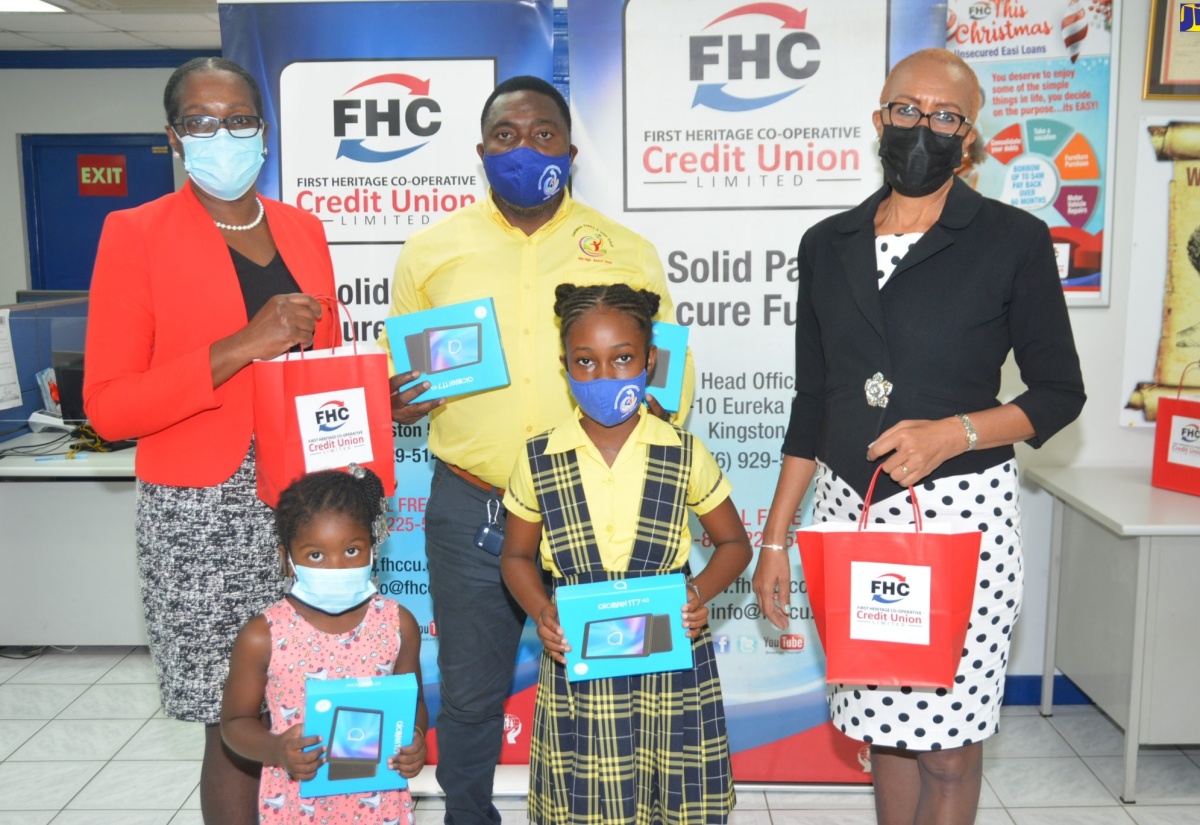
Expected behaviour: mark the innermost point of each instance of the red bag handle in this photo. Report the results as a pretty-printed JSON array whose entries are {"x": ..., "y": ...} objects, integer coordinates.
[
  {"x": 331, "y": 304},
  {"x": 912, "y": 493},
  {"x": 1183, "y": 375}
]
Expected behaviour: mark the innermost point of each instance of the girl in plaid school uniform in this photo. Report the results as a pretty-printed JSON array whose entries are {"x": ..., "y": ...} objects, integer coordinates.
[{"x": 643, "y": 749}]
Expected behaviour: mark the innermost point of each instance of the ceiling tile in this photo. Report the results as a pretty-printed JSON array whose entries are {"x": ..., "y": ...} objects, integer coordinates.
[
  {"x": 16, "y": 42},
  {"x": 183, "y": 40},
  {"x": 153, "y": 22},
  {"x": 170, "y": 6},
  {"x": 95, "y": 40},
  {"x": 49, "y": 23}
]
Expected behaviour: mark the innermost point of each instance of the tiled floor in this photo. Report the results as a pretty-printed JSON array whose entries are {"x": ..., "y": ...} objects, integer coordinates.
[{"x": 82, "y": 742}]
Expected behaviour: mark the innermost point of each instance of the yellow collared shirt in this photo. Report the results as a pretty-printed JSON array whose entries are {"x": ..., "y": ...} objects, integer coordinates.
[
  {"x": 614, "y": 494},
  {"x": 475, "y": 253}
]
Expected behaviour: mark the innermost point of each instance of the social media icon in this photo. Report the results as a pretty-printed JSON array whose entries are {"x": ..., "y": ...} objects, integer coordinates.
[
  {"x": 721, "y": 643},
  {"x": 746, "y": 644}
]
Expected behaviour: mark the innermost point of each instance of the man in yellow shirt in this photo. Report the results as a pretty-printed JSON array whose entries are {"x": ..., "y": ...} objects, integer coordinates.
[{"x": 515, "y": 247}]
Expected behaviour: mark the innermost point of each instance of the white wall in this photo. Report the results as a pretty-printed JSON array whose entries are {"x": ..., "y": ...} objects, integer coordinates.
[
  {"x": 129, "y": 100},
  {"x": 62, "y": 101}
]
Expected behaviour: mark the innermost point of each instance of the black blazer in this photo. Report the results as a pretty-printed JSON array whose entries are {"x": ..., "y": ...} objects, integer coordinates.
[{"x": 981, "y": 282}]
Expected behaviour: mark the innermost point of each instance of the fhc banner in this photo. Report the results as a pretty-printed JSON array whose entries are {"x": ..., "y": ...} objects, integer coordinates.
[
  {"x": 722, "y": 130},
  {"x": 345, "y": 161},
  {"x": 710, "y": 136},
  {"x": 1044, "y": 66},
  {"x": 374, "y": 112}
]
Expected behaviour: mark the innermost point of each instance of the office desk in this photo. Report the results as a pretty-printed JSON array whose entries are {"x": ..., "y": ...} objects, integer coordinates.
[
  {"x": 1123, "y": 618},
  {"x": 67, "y": 549}
]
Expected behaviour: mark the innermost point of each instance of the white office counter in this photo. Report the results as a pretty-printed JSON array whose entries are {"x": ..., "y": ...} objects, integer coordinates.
[
  {"x": 1123, "y": 617},
  {"x": 67, "y": 548}
]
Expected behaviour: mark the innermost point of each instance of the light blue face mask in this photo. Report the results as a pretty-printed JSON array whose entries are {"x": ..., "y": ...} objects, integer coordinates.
[
  {"x": 222, "y": 165},
  {"x": 331, "y": 590}
]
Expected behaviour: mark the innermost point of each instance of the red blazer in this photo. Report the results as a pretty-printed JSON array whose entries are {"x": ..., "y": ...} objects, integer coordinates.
[{"x": 163, "y": 291}]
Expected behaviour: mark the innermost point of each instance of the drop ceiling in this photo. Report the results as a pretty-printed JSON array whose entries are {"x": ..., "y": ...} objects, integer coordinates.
[{"x": 115, "y": 24}]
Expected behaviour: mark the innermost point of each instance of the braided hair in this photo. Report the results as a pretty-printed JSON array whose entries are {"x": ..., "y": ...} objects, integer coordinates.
[
  {"x": 357, "y": 493},
  {"x": 572, "y": 302},
  {"x": 174, "y": 90}
]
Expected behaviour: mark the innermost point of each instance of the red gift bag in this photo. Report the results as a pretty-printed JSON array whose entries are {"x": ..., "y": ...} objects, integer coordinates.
[
  {"x": 891, "y": 606},
  {"x": 322, "y": 410},
  {"x": 1177, "y": 442}
]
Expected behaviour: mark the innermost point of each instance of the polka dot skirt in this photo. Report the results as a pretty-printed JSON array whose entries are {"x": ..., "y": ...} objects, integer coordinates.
[
  {"x": 923, "y": 718},
  {"x": 889, "y": 251}
]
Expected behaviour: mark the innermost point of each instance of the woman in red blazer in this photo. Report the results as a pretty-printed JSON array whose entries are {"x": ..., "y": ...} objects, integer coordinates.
[{"x": 187, "y": 292}]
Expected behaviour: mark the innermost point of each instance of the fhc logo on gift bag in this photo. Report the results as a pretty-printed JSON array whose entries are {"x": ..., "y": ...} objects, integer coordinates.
[
  {"x": 334, "y": 429},
  {"x": 889, "y": 602},
  {"x": 1177, "y": 440},
  {"x": 1185, "y": 441}
]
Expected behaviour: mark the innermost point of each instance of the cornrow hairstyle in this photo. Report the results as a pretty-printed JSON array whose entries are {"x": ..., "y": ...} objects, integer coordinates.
[
  {"x": 526, "y": 83},
  {"x": 174, "y": 89},
  {"x": 358, "y": 494},
  {"x": 572, "y": 302}
]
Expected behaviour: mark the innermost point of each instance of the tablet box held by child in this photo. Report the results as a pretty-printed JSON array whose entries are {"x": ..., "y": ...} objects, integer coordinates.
[
  {"x": 666, "y": 382},
  {"x": 456, "y": 348},
  {"x": 362, "y": 723},
  {"x": 624, "y": 627}
]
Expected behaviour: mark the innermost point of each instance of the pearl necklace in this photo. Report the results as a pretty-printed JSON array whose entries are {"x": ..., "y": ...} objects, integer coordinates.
[{"x": 231, "y": 228}]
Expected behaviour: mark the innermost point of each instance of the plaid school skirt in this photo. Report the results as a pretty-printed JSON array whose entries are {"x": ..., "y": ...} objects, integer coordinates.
[{"x": 635, "y": 750}]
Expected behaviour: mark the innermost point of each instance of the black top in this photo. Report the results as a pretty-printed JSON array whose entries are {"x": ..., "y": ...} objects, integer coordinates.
[
  {"x": 981, "y": 282},
  {"x": 262, "y": 283}
]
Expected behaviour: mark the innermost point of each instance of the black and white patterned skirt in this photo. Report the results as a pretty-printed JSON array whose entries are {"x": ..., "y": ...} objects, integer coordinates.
[
  {"x": 923, "y": 718},
  {"x": 208, "y": 563}
]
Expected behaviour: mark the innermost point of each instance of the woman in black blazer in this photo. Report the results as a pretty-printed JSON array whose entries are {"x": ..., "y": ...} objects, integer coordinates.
[{"x": 908, "y": 307}]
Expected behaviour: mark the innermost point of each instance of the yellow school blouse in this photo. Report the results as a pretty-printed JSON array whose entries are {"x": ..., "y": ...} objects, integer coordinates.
[
  {"x": 475, "y": 253},
  {"x": 614, "y": 494}
]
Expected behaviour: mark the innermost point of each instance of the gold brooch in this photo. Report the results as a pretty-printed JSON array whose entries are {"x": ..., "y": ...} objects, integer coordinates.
[{"x": 878, "y": 389}]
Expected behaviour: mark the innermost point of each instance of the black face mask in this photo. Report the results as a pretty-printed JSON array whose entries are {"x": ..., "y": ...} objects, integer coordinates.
[{"x": 916, "y": 161}]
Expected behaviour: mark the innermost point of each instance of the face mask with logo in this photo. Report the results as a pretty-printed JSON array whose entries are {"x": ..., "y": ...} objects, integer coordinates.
[
  {"x": 525, "y": 177},
  {"x": 916, "y": 161},
  {"x": 222, "y": 165},
  {"x": 609, "y": 401},
  {"x": 330, "y": 590}
]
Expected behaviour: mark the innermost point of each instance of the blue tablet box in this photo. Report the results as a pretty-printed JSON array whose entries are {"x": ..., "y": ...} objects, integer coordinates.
[
  {"x": 456, "y": 348},
  {"x": 361, "y": 722},
  {"x": 666, "y": 383},
  {"x": 624, "y": 627}
]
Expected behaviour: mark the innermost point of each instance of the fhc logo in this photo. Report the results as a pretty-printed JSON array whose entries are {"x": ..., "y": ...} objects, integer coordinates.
[
  {"x": 786, "y": 51},
  {"x": 979, "y": 11},
  {"x": 331, "y": 416},
  {"x": 413, "y": 115},
  {"x": 1189, "y": 433},
  {"x": 889, "y": 585}
]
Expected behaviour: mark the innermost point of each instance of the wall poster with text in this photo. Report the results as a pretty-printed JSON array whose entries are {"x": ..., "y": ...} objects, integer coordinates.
[{"x": 1047, "y": 69}]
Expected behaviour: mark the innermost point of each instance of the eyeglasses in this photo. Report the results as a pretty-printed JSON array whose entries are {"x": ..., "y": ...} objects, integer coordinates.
[
  {"x": 205, "y": 126},
  {"x": 941, "y": 122}
]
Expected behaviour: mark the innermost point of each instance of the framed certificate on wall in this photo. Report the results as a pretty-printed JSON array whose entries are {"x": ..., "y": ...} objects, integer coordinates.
[{"x": 1173, "y": 51}]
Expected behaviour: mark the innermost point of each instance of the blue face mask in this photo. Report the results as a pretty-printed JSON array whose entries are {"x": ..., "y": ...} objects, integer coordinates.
[
  {"x": 332, "y": 591},
  {"x": 609, "y": 401},
  {"x": 525, "y": 177},
  {"x": 222, "y": 165}
]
